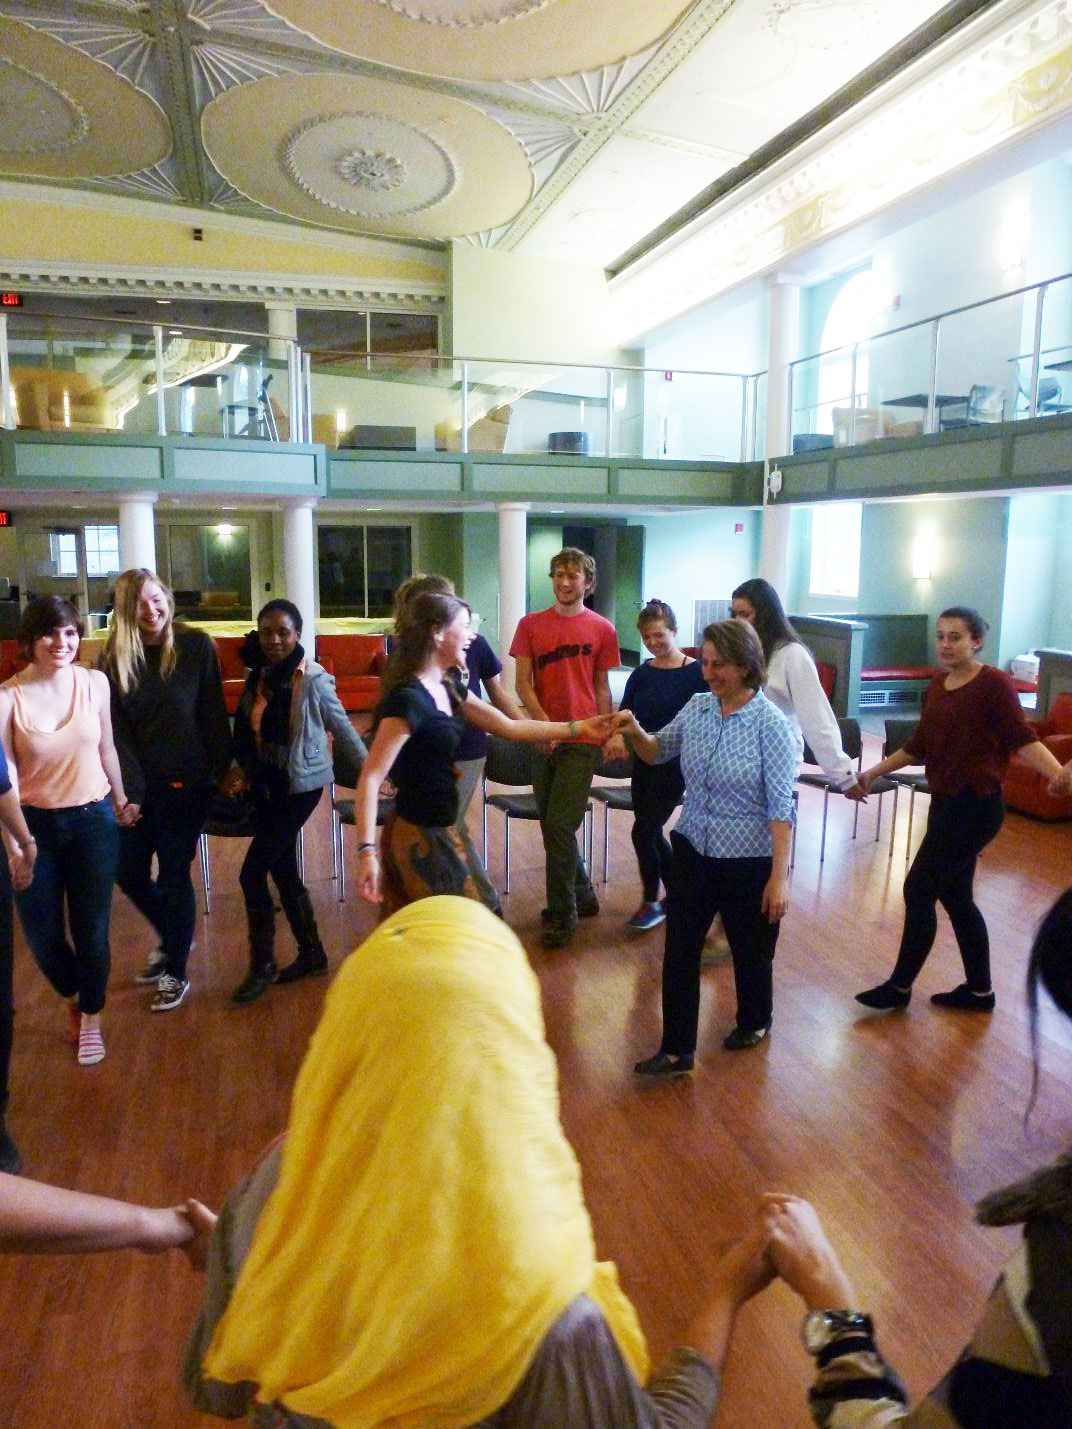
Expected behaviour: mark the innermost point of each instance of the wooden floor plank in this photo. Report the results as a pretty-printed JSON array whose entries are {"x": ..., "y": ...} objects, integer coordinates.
[{"x": 892, "y": 1125}]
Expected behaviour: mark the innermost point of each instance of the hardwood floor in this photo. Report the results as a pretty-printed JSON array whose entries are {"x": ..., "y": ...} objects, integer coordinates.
[{"x": 892, "y": 1125}]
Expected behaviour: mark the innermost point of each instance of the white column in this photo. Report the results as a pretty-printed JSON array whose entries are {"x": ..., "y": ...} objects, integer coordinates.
[
  {"x": 513, "y": 570},
  {"x": 783, "y": 305},
  {"x": 282, "y": 325},
  {"x": 299, "y": 563},
  {"x": 137, "y": 532}
]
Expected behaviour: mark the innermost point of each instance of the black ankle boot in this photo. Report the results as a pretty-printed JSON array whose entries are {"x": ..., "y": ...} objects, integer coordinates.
[
  {"x": 262, "y": 969},
  {"x": 312, "y": 961}
]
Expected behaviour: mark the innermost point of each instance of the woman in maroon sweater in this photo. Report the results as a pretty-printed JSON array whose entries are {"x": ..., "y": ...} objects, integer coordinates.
[{"x": 971, "y": 726}]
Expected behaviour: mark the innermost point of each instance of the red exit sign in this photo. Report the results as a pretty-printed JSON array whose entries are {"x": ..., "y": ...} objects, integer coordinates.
[
  {"x": 7, "y": 518},
  {"x": 10, "y": 300}
]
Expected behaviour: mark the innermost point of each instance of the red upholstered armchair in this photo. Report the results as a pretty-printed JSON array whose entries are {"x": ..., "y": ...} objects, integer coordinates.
[
  {"x": 1029, "y": 792},
  {"x": 232, "y": 668},
  {"x": 357, "y": 662}
]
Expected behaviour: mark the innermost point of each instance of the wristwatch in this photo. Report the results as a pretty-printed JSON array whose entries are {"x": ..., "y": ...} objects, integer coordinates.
[{"x": 820, "y": 1327}]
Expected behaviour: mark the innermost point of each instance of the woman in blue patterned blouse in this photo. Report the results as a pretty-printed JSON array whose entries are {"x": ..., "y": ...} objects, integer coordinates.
[{"x": 731, "y": 844}]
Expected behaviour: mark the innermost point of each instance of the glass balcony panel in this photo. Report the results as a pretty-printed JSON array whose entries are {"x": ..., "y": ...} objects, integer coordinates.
[
  {"x": 1055, "y": 353},
  {"x": 893, "y": 379},
  {"x": 758, "y": 430},
  {"x": 231, "y": 390},
  {"x": 694, "y": 416},
  {"x": 978, "y": 372},
  {"x": 537, "y": 407},
  {"x": 72, "y": 375},
  {"x": 386, "y": 402}
]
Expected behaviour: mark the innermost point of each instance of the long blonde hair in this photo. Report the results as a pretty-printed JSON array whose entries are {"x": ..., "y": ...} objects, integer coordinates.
[{"x": 124, "y": 651}]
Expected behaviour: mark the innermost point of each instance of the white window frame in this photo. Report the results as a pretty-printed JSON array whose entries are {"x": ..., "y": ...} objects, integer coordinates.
[
  {"x": 63, "y": 550},
  {"x": 98, "y": 553},
  {"x": 835, "y": 549}
]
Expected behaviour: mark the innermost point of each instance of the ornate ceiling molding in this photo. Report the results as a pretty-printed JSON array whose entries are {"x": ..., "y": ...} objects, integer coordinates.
[
  {"x": 121, "y": 129},
  {"x": 925, "y": 129},
  {"x": 495, "y": 40},
  {"x": 58, "y": 121},
  {"x": 312, "y": 290},
  {"x": 463, "y": 169}
]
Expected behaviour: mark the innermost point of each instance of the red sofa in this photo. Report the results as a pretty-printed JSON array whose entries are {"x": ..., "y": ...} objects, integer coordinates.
[
  {"x": 232, "y": 668},
  {"x": 357, "y": 662},
  {"x": 1029, "y": 792}
]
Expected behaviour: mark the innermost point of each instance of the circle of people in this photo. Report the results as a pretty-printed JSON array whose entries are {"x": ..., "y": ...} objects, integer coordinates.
[{"x": 104, "y": 770}]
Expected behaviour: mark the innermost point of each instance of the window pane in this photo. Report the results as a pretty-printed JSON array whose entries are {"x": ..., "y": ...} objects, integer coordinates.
[
  {"x": 341, "y": 560},
  {"x": 835, "y": 549},
  {"x": 388, "y": 565},
  {"x": 209, "y": 567}
]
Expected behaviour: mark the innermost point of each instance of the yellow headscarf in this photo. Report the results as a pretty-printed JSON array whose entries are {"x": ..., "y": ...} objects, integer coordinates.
[{"x": 428, "y": 1226}]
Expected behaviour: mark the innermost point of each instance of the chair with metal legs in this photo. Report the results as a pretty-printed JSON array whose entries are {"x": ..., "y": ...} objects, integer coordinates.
[
  {"x": 898, "y": 733},
  {"x": 852, "y": 743},
  {"x": 509, "y": 762},
  {"x": 345, "y": 774},
  {"x": 615, "y": 796},
  {"x": 241, "y": 826}
]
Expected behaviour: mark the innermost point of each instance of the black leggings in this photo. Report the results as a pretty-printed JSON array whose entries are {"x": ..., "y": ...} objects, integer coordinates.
[
  {"x": 273, "y": 850},
  {"x": 657, "y": 790},
  {"x": 958, "y": 829}
]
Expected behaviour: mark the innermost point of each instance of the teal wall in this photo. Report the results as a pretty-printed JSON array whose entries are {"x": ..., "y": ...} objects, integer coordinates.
[
  {"x": 1030, "y": 573},
  {"x": 1061, "y": 608},
  {"x": 544, "y": 541},
  {"x": 968, "y": 569},
  {"x": 480, "y": 574},
  {"x": 439, "y": 543},
  {"x": 698, "y": 555}
]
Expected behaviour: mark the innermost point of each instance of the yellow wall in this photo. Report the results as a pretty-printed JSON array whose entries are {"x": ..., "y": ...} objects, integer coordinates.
[{"x": 152, "y": 237}]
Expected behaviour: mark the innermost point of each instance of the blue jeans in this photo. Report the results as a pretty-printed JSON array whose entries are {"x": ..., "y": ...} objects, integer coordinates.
[
  {"x": 171, "y": 820},
  {"x": 77, "y": 855}
]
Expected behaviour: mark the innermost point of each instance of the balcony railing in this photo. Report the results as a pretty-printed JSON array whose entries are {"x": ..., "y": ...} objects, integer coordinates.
[
  {"x": 100, "y": 375},
  {"x": 1000, "y": 360}
]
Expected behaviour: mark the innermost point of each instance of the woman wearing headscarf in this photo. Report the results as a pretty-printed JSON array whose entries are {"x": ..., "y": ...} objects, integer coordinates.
[{"x": 417, "y": 1250}]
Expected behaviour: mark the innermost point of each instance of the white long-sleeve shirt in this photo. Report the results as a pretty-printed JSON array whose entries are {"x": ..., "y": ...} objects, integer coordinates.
[{"x": 793, "y": 685}]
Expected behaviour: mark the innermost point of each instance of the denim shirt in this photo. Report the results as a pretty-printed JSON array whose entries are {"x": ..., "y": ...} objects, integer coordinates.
[{"x": 739, "y": 773}]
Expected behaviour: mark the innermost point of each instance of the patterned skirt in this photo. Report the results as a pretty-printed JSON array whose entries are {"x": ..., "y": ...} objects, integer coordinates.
[{"x": 418, "y": 861}]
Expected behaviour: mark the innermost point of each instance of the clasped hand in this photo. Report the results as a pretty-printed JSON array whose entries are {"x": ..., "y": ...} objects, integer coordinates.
[{"x": 786, "y": 1241}]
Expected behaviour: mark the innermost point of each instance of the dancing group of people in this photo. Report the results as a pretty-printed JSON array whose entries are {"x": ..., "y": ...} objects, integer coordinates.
[{"x": 107, "y": 769}]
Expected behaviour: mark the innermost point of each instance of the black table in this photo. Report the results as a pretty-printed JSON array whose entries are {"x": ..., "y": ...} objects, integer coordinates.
[{"x": 922, "y": 399}]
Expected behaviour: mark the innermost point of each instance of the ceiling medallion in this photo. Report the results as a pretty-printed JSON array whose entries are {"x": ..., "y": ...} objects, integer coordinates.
[
  {"x": 372, "y": 171},
  {"x": 370, "y": 165},
  {"x": 465, "y": 14},
  {"x": 36, "y": 116}
]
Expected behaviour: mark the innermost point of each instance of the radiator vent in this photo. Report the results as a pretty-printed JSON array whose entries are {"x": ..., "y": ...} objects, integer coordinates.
[
  {"x": 889, "y": 699},
  {"x": 707, "y": 612}
]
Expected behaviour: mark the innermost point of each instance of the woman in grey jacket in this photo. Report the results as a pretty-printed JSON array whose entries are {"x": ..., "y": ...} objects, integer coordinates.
[{"x": 287, "y": 710}]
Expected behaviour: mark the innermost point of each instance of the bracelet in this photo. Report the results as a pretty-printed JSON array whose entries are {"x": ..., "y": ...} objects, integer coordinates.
[{"x": 573, "y": 729}]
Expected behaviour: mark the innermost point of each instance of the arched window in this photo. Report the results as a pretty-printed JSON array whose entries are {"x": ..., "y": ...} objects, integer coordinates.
[{"x": 850, "y": 319}]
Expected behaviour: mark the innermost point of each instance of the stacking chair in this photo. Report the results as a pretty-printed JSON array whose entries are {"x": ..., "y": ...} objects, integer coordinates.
[
  {"x": 852, "y": 743},
  {"x": 510, "y": 762},
  {"x": 345, "y": 774},
  {"x": 898, "y": 732},
  {"x": 617, "y": 796},
  {"x": 219, "y": 826}
]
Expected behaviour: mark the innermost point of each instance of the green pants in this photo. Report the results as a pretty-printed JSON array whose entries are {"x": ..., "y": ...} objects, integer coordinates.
[{"x": 562, "y": 782}]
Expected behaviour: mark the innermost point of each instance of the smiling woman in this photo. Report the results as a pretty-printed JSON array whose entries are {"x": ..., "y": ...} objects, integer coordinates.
[{"x": 55, "y": 723}]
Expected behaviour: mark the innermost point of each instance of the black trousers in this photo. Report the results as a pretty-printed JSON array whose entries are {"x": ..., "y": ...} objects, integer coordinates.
[
  {"x": 170, "y": 825},
  {"x": 273, "y": 848},
  {"x": 959, "y": 827},
  {"x": 699, "y": 888},
  {"x": 657, "y": 790}
]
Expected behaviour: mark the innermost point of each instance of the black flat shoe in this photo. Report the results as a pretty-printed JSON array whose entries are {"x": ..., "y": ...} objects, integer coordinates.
[
  {"x": 741, "y": 1038},
  {"x": 664, "y": 1064},
  {"x": 885, "y": 997},
  {"x": 962, "y": 999}
]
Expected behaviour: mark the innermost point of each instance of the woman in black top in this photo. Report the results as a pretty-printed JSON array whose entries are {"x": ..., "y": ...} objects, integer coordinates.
[
  {"x": 174, "y": 743},
  {"x": 418, "y": 725},
  {"x": 655, "y": 692}
]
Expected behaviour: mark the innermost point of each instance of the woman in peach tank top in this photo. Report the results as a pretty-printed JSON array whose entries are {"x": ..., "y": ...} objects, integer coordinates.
[{"x": 55, "y": 723}]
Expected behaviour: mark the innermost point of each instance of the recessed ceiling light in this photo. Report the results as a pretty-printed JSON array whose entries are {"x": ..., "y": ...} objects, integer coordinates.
[
  {"x": 163, "y": 301},
  {"x": 174, "y": 332}
]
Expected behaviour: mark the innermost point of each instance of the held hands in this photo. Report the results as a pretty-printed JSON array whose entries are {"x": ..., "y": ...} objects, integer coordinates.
[
  {"x": 20, "y": 862},
  {"x": 597, "y": 727},
  {"x": 802, "y": 1255},
  {"x": 127, "y": 815},
  {"x": 233, "y": 783},
  {"x": 615, "y": 748},
  {"x": 856, "y": 792},
  {"x": 625, "y": 722}
]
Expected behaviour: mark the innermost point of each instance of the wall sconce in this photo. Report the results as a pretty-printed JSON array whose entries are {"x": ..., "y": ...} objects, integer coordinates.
[
  {"x": 923, "y": 556},
  {"x": 774, "y": 482},
  {"x": 340, "y": 420},
  {"x": 619, "y": 399},
  {"x": 224, "y": 532}
]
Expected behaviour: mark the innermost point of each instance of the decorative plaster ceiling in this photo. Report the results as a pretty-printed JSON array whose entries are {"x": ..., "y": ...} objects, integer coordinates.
[{"x": 561, "y": 128}]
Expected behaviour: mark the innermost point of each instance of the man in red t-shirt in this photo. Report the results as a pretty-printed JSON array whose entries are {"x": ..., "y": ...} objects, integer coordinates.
[{"x": 563, "y": 655}]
